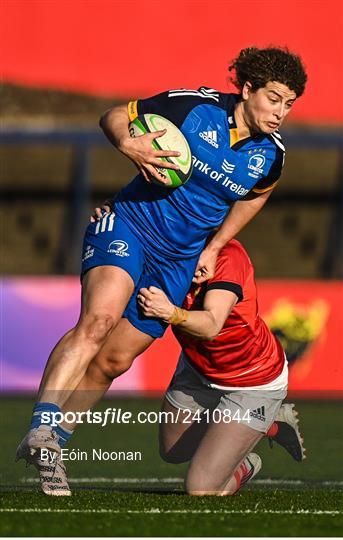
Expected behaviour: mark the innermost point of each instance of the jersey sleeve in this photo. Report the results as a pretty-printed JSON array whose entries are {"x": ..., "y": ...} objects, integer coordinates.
[
  {"x": 269, "y": 181},
  {"x": 174, "y": 104},
  {"x": 231, "y": 270}
]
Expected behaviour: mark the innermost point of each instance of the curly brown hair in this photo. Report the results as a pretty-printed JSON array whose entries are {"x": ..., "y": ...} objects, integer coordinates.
[{"x": 260, "y": 66}]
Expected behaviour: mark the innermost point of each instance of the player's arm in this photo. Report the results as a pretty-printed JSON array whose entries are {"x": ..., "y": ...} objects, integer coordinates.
[
  {"x": 240, "y": 214},
  {"x": 205, "y": 324},
  {"x": 115, "y": 125},
  {"x": 174, "y": 105}
]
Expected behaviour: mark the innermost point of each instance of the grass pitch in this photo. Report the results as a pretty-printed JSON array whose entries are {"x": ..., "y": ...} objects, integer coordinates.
[{"x": 146, "y": 498}]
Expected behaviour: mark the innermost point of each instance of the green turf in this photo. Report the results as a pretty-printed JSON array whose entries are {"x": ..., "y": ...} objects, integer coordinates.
[{"x": 161, "y": 509}]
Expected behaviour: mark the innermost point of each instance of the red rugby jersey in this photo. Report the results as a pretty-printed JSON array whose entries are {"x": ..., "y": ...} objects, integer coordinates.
[{"x": 245, "y": 353}]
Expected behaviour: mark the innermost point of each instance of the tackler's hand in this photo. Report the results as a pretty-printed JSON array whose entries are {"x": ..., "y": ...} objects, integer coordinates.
[
  {"x": 155, "y": 303},
  {"x": 206, "y": 266},
  {"x": 99, "y": 212}
]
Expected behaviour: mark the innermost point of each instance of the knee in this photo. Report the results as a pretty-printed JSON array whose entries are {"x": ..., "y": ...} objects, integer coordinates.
[
  {"x": 200, "y": 491},
  {"x": 196, "y": 487},
  {"x": 114, "y": 363},
  {"x": 205, "y": 492},
  {"x": 201, "y": 485},
  {"x": 96, "y": 327}
]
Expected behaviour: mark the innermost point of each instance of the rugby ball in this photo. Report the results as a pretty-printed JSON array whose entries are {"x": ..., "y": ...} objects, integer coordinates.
[{"x": 172, "y": 140}]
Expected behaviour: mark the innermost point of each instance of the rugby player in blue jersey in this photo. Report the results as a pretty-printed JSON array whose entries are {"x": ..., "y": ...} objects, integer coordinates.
[{"x": 238, "y": 156}]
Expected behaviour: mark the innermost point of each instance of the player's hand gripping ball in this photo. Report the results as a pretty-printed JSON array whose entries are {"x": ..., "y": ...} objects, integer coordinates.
[{"x": 172, "y": 140}]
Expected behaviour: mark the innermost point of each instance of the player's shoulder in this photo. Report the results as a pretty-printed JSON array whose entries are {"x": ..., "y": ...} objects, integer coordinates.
[
  {"x": 264, "y": 140},
  {"x": 205, "y": 94},
  {"x": 275, "y": 140},
  {"x": 266, "y": 155},
  {"x": 263, "y": 148},
  {"x": 234, "y": 250}
]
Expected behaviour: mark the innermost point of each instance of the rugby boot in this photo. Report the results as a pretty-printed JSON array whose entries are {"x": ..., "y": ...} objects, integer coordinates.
[
  {"x": 247, "y": 470},
  {"x": 52, "y": 475},
  {"x": 288, "y": 435},
  {"x": 52, "y": 471},
  {"x": 35, "y": 439}
]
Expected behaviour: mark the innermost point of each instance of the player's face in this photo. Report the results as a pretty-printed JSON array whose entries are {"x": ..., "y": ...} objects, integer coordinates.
[{"x": 266, "y": 108}]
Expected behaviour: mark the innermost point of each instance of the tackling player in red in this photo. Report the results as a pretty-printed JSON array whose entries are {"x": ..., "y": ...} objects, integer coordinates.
[{"x": 230, "y": 381}]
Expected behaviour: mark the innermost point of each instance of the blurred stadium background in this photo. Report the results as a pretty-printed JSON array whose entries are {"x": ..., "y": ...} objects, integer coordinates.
[{"x": 65, "y": 62}]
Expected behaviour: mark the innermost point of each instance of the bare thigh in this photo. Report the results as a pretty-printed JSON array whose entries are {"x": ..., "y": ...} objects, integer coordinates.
[
  {"x": 221, "y": 450},
  {"x": 215, "y": 450},
  {"x": 105, "y": 289},
  {"x": 105, "y": 293}
]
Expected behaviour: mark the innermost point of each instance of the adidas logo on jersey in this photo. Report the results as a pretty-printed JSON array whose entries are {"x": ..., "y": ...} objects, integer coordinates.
[
  {"x": 210, "y": 137},
  {"x": 258, "y": 413}
]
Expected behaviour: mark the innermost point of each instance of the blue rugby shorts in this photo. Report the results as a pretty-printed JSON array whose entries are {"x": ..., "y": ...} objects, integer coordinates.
[{"x": 110, "y": 241}]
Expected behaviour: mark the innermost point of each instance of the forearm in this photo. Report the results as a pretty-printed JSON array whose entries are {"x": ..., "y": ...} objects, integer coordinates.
[
  {"x": 141, "y": 150},
  {"x": 241, "y": 213},
  {"x": 199, "y": 324},
  {"x": 114, "y": 124},
  {"x": 202, "y": 324}
]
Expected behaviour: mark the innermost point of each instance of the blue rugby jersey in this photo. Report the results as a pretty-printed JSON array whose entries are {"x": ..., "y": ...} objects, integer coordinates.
[{"x": 176, "y": 222}]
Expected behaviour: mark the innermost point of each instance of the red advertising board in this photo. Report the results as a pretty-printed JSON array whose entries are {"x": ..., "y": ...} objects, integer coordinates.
[{"x": 306, "y": 315}]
